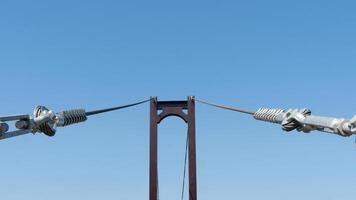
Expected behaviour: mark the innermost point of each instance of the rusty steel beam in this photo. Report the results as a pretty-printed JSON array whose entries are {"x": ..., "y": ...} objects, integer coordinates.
[
  {"x": 192, "y": 150},
  {"x": 153, "y": 150}
]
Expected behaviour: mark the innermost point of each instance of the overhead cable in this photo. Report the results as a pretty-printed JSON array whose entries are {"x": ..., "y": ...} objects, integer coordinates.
[
  {"x": 46, "y": 121},
  {"x": 298, "y": 119}
]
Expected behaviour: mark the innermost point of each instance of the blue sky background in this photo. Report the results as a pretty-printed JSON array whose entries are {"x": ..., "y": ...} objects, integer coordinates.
[{"x": 94, "y": 54}]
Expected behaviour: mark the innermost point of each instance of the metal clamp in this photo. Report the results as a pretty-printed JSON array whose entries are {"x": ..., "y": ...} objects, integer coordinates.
[{"x": 4, "y": 127}]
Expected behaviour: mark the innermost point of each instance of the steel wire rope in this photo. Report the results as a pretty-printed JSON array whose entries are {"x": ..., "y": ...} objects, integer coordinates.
[
  {"x": 185, "y": 167},
  {"x": 241, "y": 110},
  {"x": 94, "y": 112}
]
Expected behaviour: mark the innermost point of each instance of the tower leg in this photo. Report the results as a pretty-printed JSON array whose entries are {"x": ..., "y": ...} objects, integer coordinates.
[
  {"x": 192, "y": 150},
  {"x": 153, "y": 151}
]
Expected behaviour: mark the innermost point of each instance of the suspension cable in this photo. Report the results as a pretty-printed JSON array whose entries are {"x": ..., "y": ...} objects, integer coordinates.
[
  {"x": 227, "y": 107},
  {"x": 157, "y": 184},
  {"x": 47, "y": 121},
  {"x": 185, "y": 167},
  {"x": 94, "y": 112}
]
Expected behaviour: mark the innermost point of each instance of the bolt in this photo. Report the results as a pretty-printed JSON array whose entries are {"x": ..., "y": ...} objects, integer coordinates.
[
  {"x": 22, "y": 124},
  {"x": 3, "y": 127}
]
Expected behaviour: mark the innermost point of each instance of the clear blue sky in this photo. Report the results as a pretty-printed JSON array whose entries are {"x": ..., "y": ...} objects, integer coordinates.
[{"x": 69, "y": 54}]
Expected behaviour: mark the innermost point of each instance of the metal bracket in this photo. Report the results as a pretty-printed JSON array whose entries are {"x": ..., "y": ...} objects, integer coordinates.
[{"x": 5, "y": 127}]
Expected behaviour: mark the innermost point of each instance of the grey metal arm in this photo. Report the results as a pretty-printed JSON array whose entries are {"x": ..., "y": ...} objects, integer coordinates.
[{"x": 302, "y": 120}]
